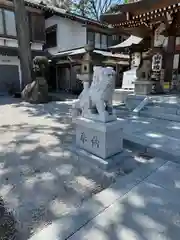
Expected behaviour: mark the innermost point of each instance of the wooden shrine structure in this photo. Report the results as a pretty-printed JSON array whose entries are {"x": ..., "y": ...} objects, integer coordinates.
[{"x": 159, "y": 21}]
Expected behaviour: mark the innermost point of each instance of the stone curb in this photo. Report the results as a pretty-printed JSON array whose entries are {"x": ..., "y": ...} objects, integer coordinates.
[
  {"x": 66, "y": 226},
  {"x": 143, "y": 145}
]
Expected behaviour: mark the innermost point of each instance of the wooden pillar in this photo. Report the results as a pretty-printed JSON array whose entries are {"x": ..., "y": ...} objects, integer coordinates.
[
  {"x": 117, "y": 76},
  {"x": 70, "y": 77},
  {"x": 23, "y": 41},
  {"x": 169, "y": 58},
  {"x": 57, "y": 79},
  {"x": 130, "y": 58}
]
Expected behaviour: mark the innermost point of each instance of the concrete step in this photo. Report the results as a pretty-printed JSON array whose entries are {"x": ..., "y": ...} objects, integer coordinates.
[{"x": 165, "y": 111}]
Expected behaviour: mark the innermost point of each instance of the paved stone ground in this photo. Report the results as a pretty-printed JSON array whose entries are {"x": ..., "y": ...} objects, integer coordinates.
[
  {"x": 143, "y": 205},
  {"x": 40, "y": 181},
  {"x": 149, "y": 211},
  {"x": 161, "y": 136}
]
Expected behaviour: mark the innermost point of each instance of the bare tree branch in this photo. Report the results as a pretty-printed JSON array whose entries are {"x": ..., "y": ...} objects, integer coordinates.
[{"x": 92, "y": 8}]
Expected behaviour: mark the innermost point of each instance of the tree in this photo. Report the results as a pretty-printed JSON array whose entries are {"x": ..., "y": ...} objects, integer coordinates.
[
  {"x": 63, "y": 4},
  {"x": 92, "y": 8},
  {"x": 82, "y": 7},
  {"x": 23, "y": 41}
]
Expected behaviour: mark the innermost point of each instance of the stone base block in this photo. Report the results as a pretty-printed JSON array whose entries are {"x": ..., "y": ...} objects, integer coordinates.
[
  {"x": 134, "y": 100},
  {"x": 104, "y": 164},
  {"x": 103, "y": 118},
  {"x": 143, "y": 87},
  {"x": 103, "y": 140},
  {"x": 120, "y": 95}
]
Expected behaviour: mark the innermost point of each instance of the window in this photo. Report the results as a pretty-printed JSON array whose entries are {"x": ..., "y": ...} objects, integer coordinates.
[
  {"x": 10, "y": 23},
  {"x": 90, "y": 37},
  {"x": 115, "y": 37},
  {"x": 37, "y": 23},
  {"x": 109, "y": 41},
  {"x": 1, "y": 22},
  {"x": 7, "y": 23},
  {"x": 104, "y": 41},
  {"x": 51, "y": 36},
  {"x": 97, "y": 40}
]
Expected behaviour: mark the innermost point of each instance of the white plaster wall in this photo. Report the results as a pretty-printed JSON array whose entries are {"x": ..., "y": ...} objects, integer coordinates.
[
  {"x": 11, "y": 43},
  {"x": 70, "y": 34},
  {"x": 14, "y": 43},
  {"x": 37, "y": 46},
  {"x": 1, "y": 42}
]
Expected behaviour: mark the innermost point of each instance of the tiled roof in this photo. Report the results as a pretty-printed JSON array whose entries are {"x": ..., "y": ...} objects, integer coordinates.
[
  {"x": 142, "y": 6},
  {"x": 82, "y": 51},
  {"x": 132, "y": 40}
]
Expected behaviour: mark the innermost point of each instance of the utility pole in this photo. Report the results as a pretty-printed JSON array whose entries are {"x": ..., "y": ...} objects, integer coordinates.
[{"x": 22, "y": 27}]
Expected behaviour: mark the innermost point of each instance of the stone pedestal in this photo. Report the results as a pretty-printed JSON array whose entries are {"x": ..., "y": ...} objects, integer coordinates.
[
  {"x": 121, "y": 95},
  {"x": 36, "y": 92},
  {"x": 99, "y": 141},
  {"x": 143, "y": 87}
]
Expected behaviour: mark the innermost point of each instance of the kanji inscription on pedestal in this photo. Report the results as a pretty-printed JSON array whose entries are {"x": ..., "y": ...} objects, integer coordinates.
[
  {"x": 83, "y": 137},
  {"x": 95, "y": 142}
]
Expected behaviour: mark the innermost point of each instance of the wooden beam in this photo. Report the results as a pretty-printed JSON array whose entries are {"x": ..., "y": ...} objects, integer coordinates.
[{"x": 169, "y": 58}]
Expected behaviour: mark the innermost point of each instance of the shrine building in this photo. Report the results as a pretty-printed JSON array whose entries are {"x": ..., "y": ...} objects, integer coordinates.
[{"x": 157, "y": 22}]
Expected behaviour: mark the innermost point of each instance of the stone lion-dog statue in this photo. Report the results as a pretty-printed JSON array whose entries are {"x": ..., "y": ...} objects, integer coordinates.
[{"x": 98, "y": 96}]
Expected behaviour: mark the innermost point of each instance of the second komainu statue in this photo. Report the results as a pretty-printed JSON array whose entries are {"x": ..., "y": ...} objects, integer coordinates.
[
  {"x": 98, "y": 96},
  {"x": 37, "y": 91}
]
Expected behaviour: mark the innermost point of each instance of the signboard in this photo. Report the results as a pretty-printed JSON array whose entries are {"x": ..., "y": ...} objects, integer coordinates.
[
  {"x": 176, "y": 61},
  {"x": 129, "y": 77},
  {"x": 157, "y": 62},
  {"x": 136, "y": 58},
  {"x": 158, "y": 38}
]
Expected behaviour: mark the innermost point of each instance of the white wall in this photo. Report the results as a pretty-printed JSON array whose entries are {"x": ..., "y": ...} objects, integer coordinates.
[
  {"x": 70, "y": 34},
  {"x": 13, "y": 43}
]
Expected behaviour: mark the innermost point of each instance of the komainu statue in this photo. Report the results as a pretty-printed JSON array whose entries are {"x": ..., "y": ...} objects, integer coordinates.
[
  {"x": 96, "y": 102},
  {"x": 144, "y": 70},
  {"x": 37, "y": 91}
]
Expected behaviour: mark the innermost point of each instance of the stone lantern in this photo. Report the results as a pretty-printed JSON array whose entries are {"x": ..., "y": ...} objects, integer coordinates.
[
  {"x": 86, "y": 67},
  {"x": 90, "y": 59}
]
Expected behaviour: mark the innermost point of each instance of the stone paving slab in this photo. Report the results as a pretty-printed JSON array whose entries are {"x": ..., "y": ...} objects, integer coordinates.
[
  {"x": 172, "y": 182},
  {"x": 68, "y": 225},
  {"x": 147, "y": 212},
  {"x": 160, "y": 138},
  {"x": 40, "y": 180}
]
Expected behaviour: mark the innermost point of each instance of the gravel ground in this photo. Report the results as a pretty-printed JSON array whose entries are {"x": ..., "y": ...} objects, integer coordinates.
[{"x": 40, "y": 180}]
